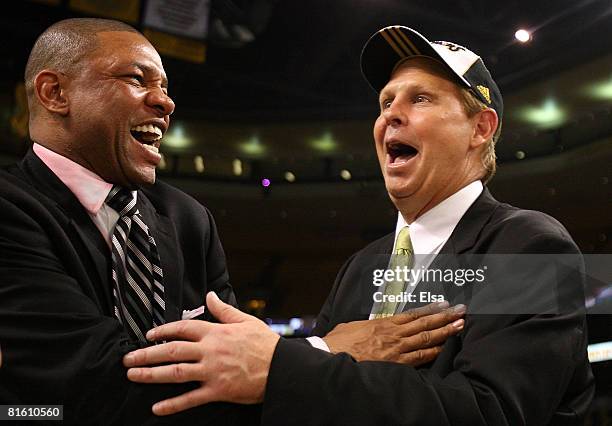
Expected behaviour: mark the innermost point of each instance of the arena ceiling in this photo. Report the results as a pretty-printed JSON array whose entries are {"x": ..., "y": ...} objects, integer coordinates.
[{"x": 290, "y": 95}]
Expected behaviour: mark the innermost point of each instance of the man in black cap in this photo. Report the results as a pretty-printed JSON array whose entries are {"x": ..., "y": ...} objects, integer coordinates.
[{"x": 521, "y": 356}]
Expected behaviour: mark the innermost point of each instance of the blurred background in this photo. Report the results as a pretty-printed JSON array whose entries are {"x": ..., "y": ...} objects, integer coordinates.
[{"x": 272, "y": 130}]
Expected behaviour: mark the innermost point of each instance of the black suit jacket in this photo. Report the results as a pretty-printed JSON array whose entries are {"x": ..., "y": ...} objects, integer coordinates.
[
  {"x": 61, "y": 343},
  {"x": 511, "y": 369}
]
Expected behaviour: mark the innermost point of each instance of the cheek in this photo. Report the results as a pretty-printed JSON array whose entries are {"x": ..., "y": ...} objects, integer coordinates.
[
  {"x": 458, "y": 124},
  {"x": 379, "y": 137},
  {"x": 448, "y": 135},
  {"x": 379, "y": 132}
]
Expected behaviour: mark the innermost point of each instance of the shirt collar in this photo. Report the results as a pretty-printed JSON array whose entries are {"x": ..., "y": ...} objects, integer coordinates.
[
  {"x": 89, "y": 188},
  {"x": 432, "y": 229}
]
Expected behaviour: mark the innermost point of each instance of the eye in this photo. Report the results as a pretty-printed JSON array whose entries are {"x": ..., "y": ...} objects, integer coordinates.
[
  {"x": 420, "y": 98},
  {"x": 386, "y": 104},
  {"x": 136, "y": 78}
]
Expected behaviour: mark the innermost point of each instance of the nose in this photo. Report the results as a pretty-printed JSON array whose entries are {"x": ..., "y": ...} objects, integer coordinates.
[
  {"x": 393, "y": 114},
  {"x": 160, "y": 101}
]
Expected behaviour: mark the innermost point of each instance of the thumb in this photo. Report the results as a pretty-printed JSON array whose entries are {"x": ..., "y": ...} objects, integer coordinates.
[{"x": 225, "y": 313}]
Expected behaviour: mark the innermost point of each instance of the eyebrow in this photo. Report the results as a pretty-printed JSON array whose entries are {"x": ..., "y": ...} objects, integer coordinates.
[
  {"x": 414, "y": 87},
  {"x": 151, "y": 70}
]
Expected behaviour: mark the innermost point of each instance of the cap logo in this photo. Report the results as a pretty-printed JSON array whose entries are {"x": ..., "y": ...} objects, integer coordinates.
[
  {"x": 484, "y": 91},
  {"x": 450, "y": 46},
  {"x": 399, "y": 42}
]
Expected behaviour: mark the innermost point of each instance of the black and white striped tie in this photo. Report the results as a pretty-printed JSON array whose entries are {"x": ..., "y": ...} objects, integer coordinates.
[{"x": 138, "y": 289}]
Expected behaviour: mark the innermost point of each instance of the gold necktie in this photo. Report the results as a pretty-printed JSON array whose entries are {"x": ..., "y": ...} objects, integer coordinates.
[{"x": 402, "y": 258}]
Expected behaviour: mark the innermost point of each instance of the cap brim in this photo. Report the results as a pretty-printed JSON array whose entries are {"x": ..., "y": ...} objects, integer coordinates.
[{"x": 388, "y": 46}]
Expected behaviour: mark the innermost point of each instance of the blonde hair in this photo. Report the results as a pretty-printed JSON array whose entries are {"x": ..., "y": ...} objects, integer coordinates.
[{"x": 472, "y": 106}]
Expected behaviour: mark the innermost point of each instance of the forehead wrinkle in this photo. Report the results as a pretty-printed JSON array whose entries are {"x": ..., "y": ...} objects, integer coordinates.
[
  {"x": 425, "y": 65},
  {"x": 403, "y": 86}
]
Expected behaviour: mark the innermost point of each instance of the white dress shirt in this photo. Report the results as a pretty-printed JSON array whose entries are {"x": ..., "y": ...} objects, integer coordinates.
[{"x": 429, "y": 232}]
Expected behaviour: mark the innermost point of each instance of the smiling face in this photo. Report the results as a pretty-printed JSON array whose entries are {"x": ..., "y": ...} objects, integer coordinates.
[
  {"x": 427, "y": 146},
  {"x": 119, "y": 109}
]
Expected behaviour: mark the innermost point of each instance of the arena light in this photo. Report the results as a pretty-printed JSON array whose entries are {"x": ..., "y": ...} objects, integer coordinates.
[
  {"x": 237, "y": 167},
  {"x": 289, "y": 177},
  {"x": 548, "y": 115},
  {"x": 601, "y": 90},
  {"x": 325, "y": 143},
  {"x": 198, "y": 162},
  {"x": 176, "y": 137},
  {"x": 253, "y": 146},
  {"x": 522, "y": 35}
]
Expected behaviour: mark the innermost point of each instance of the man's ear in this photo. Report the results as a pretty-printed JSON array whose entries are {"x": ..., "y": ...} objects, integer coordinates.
[
  {"x": 485, "y": 126},
  {"x": 50, "y": 90}
]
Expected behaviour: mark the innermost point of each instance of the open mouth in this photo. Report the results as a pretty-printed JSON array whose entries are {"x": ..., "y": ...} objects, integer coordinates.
[
  {"x": 400, "y": 153},
  {"x": 147, "y": 134}
]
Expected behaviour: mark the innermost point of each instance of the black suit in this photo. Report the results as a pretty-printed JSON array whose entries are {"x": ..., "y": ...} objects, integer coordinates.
[
  {"x": 501, "y": 370},
  {"x": 60, "y": 340}
]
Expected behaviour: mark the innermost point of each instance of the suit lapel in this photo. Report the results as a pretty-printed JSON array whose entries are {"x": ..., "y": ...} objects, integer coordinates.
[
  {"x": 377, "y": 259},
  {"x": 461, "y": 241},
  {"x": 89, "y": 241},
  {"x": 77, "y": 222},
  {"x": 171, "y": 258},
  {"x": 470, "y": 226}
]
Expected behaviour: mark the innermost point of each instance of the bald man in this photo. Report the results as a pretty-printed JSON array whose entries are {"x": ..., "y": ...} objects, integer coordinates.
[{"x": 94, "y": 250}]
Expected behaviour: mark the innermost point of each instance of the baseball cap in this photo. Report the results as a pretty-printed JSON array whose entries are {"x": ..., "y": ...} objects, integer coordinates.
[{"x": 391, "y": 45}]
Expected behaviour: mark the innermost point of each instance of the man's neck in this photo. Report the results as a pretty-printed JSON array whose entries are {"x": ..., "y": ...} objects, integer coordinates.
[{"x": 411, "y": 209}]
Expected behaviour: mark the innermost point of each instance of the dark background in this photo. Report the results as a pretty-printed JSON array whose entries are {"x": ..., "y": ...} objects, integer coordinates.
[{"x": 290, "y": 97}]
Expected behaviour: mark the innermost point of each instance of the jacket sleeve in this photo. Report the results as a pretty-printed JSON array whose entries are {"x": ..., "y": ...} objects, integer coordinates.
[
  {"x": 218, "y": 276},
  {"x": 323, "y": 325},
  {"x": 57, "y": 345},
  {"x": 508, "y": 370}
]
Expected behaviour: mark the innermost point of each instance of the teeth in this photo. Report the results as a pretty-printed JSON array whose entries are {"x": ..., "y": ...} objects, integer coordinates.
[{"x": 149, "y": 128}]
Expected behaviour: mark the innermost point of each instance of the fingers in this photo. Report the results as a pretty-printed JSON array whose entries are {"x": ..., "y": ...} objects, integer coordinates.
[
  {"x": 433, "y": 321},
  {"x": 413, "y": 314},
  {"x": 422, "y": 356},
  {"x": 192, "y": 330},
  {"x": 223, "y": 312},
  {"x": 167, "y": 352},
  {"x": 183, "y": 402},
  {"x": 174, "y": 373},
  {"x": 430, "y": 338}
]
